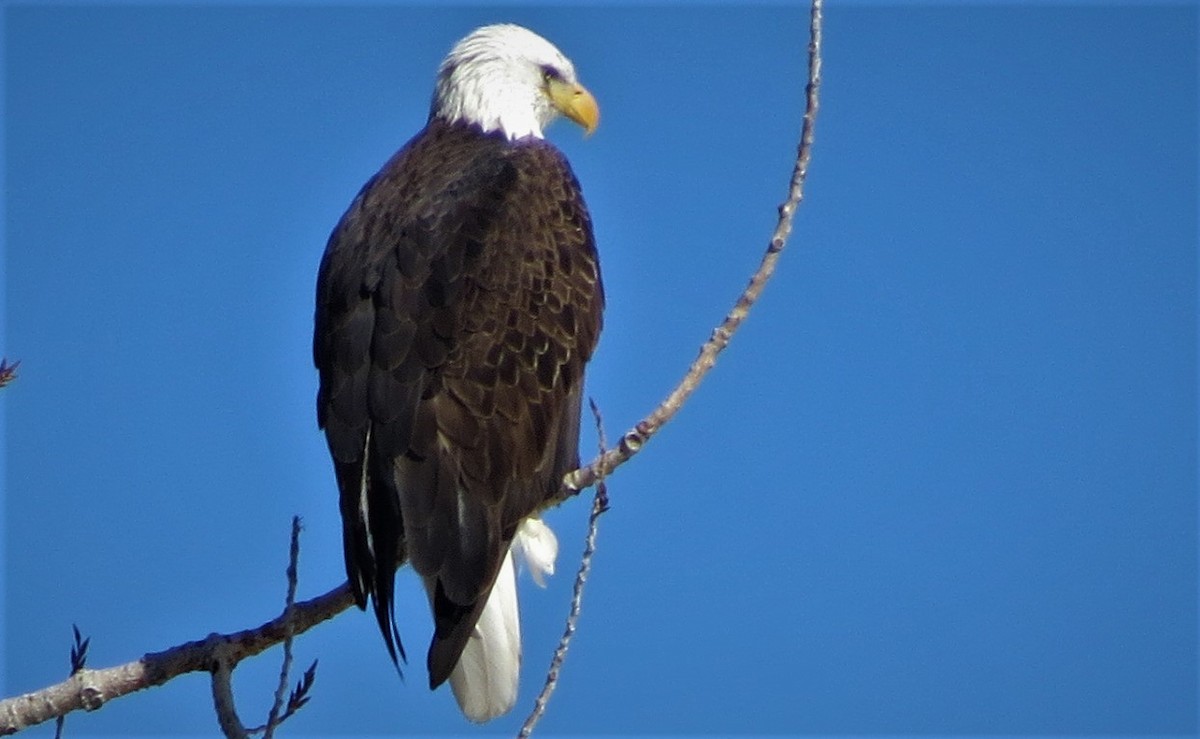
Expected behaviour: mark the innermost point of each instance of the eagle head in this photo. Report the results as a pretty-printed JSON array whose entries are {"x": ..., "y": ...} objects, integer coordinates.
[{"x": 509, "y": 79}]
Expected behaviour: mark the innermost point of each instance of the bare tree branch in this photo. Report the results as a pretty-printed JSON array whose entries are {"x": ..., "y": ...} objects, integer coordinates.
[
  {"x": 90, "y": 689},
  {"x": 634, "y": 439},
  {"x": 273, "y": 718},
  {"x": 222, "y": 674},
  {"x": 599, "y": 506},
  {"x": 78, "y": 659},
  {"x": 222, "y": 689}
]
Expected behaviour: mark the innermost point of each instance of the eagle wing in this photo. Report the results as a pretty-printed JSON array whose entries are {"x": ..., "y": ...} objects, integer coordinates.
[{"x": 458, "y": 301}]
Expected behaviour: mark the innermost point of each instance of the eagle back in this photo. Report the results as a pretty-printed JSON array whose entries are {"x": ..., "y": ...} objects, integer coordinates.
[{"x": 458, "y": 301}]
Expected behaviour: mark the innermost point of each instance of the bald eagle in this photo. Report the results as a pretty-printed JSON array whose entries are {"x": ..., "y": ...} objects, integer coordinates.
[{"x": 457, "y": 303}]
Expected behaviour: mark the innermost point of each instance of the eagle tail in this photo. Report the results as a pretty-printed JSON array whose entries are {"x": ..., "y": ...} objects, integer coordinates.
[{"x": 485, "y": 678}]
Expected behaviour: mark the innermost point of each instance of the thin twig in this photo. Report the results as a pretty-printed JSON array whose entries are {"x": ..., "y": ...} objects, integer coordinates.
[
  {"x": 79, "y": 649},
  {"x": 281, "y": 690},
  {"x": 222, "y": 679},
  {"x": 8, "y": 372},
  {"x": 599, "y": 506},
  {"x": 634, "y": 439},
  {"x": 299, "y": 697}
]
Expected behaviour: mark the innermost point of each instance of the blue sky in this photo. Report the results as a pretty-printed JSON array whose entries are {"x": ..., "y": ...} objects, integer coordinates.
[{"x": 944, "y": 481}]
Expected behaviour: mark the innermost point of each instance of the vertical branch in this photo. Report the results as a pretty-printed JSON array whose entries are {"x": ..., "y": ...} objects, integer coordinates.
[
  {"x": 224, "y": 661},
  {"x": 273, "y": 719},
  {"x": 599, "y": 506}
]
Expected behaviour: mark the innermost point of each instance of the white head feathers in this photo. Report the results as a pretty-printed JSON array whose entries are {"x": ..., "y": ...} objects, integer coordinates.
[{"x": 496, "y": 78}]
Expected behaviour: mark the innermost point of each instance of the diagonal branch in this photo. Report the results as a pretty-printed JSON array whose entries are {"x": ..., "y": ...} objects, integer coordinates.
[
  {"x": 634, "y": 439},
  {"x": 90, "y": 689}
]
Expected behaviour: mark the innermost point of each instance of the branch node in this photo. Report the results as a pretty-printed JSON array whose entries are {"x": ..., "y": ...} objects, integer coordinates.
[
  {"x": 632, "y": 442},
  {"x": 91, "y": 697},
  {"x": 572, "y": 482}
]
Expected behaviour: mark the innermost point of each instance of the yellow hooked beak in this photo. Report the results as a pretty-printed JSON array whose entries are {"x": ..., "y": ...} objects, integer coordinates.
[{"x": 575, "y": 102}]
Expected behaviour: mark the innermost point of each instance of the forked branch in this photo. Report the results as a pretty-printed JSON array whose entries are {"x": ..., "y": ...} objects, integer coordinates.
[{"x": 90, "y": 689}]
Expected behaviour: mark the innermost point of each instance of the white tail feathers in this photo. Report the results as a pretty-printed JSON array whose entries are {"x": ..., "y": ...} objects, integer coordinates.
[
  {"x": 538, "y": 545},
  {"x": 485, "y": 679}
]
